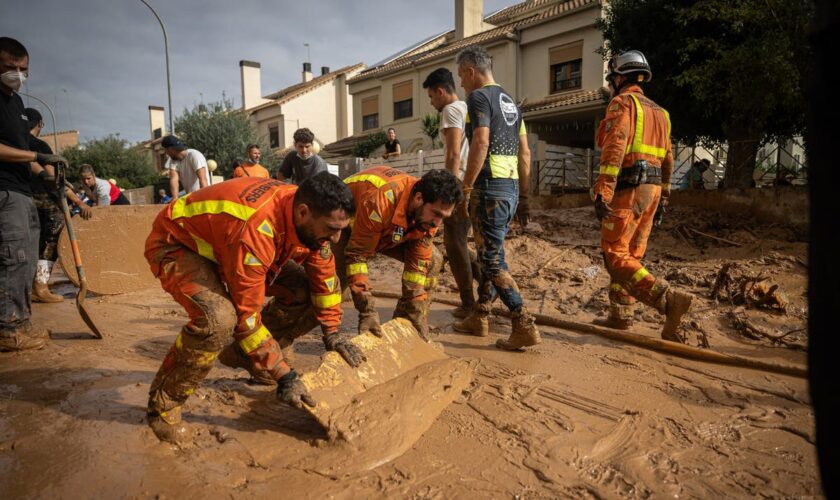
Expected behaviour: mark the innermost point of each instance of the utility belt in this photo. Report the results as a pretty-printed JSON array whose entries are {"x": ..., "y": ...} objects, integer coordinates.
[{"x": 637, "y": 174}]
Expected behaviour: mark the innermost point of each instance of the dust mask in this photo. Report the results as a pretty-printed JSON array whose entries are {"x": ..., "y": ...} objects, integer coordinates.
[{"x": 13, "y": 79}]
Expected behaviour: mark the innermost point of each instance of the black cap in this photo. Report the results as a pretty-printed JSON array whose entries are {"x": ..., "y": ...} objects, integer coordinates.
[
  {"x": 170, "y": 141},
  {"x": 33, "y": 117}
]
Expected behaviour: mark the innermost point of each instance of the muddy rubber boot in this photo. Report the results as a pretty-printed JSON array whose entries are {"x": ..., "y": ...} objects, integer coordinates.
[
  {"x": 168, "y": 427},
  {"x": 475, "y": 323},
  {"x": 676, "y": 305},
  {"x": 41, "y": 293},
  {"x": 620, "y": 317},
  {"x": 524, "y": 334},
  {"x": 24, "y": 339},
  {"x": 234, "y": 358}
]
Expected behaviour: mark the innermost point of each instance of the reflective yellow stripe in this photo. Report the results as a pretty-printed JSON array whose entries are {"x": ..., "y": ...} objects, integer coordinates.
[
  {"x": 204, "y": 249},
  {"x": 610, "y": 170},
  {"x": 639, "y": 275},
  {"x": 181, "y": 209},
  {"x": 522, "y": 130},
  {"x": 430, "y": 282},
  {"x": 360, "y": 268},
  {"x": 373, "y": 179},
  {"x": 325, "y": 301},
  {"x": 637, "y": 146},
  {"x": 251, "y": 342},
  {"x": 504, "y": 166},
  {"x": 616, "y": 287},
  {"x": 179, "y": 344},
  {"x": 411, "y": 277}
]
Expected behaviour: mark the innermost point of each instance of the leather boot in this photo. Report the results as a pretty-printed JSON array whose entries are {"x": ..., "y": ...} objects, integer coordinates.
[
  {"x": 168, "y": 427},
  {"x": 41, "y": 293},
  {"x": 24, "y": 339},
  {"x": 674, "y": 305},
  {"x": 461, "y": 312},
  {"x": 475, "y": 323},
  {"x": 231, "y": 356},
  {"x": 620, "y": 317},
  {"x": 524, "y": 332}
]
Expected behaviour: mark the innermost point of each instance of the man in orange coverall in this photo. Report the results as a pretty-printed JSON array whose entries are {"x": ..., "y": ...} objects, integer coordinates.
[
  {"x": 635, "y": 179},
  {"x": 217, "y": 251},
  {"x": 396, "y": 215}
]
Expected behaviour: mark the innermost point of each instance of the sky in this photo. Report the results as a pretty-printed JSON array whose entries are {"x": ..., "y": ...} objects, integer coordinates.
[{"x": 100, "y": 63}]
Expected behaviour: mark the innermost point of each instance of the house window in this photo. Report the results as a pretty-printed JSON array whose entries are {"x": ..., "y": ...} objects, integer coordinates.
[
  {"x": 370, "y": 112},
  {"x": 566, "y": 76},
  {"x": 566, "y": 62},
  {"x": 274, "y": 136},
  {"x": 403, "y": 100}
]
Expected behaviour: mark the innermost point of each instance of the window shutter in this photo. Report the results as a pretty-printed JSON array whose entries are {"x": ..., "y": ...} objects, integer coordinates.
[
  {"x": 370, "y": 105},
  {"x": 565, "y": 53},
  {"x": 402, "y": 91}
]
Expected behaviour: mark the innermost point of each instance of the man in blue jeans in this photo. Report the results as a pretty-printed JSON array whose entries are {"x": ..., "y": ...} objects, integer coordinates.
[{"x": 497, "y": 179}]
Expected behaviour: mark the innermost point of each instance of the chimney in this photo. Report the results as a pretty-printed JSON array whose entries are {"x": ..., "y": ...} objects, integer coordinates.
[
  {"x": 307, "y": 72},
  {"x": 157, "y": 122},
  {"x": 249, "y": 73},
  {"x": 325, "y": 70},
  {"x": 469, "y": 16}
]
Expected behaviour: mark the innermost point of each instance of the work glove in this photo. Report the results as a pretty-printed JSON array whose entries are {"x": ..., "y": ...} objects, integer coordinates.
[
  {"x": 49, "y": 159},
  {"x": 415, "y": 312},
  {"x": 290, "y": 390},
  {"x": 523, "y": 211},
  {"x": 368, "y": 317},
  {"x": 660, "y": 212},
  {"x": 342, "y": 345},
  {"x": 602, "y": 210}
]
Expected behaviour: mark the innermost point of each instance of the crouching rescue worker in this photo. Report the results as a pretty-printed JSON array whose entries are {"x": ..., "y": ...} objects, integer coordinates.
[
  {"x": 396, "y": 215},
  {"x": 635, "y": 178},
  {"x": 215, "y": 251}
]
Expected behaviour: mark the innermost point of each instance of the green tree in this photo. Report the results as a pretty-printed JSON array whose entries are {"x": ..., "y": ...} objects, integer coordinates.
[
  {"x": 728, "y": 70},
  {"x": 221, "y": 133},
  {"x": 366, "y": 146},
  {"x": 430, "y": 123},
  {"x": 113, "y": 157}
]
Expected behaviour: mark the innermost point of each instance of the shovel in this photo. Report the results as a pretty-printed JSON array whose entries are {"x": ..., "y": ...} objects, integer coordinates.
[{"x": 77, "y": 256}]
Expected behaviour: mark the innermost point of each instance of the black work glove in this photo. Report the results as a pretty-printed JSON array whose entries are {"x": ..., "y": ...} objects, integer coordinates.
[
  {"x": 660, "y": 213},
  {"x": 602, "y": 210},
  {"x": 49, "y": 159},
  {"x": 342, "y": 345},
  {"x": 290, "y": 390},
  {"x": 368, "y": 317},
  {"x": 523, "y": 211}
]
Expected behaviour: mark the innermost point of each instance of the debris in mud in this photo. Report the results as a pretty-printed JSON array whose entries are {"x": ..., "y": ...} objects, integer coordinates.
[
  {"x": 792, "y": 339},
  {"x": 733, "y": 285}
]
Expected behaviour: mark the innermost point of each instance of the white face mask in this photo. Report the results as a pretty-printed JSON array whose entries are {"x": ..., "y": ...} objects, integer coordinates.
[{"x": 13, "y": 79}]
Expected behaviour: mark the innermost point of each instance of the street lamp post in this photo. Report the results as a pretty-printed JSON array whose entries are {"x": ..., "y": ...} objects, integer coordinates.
[
  {"x": 166, "y": 49},
  {"x": 52, "y": 116}
]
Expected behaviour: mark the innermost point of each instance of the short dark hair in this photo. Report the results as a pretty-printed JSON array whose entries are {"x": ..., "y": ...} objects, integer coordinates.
[
  {"x": 440, "y": 78},
  {"x": 392, "y": 128},
  {"x": 252, "y": 146},
  {"x": 303, "y": 135},
  {"x": 439, "y": 185},
  {"x": 13, "y": 47},
  {"x": 325, "y": 192},
  {"x": 235, "y": 163},
  {"x": 86, "y": 168}
]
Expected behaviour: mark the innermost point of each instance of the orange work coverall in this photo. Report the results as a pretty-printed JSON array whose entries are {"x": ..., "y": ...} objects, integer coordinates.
[
  {"x": 247, "y": 170},
  {"x": 216, "y": 251},
  {"x": 381, "y": 225},
  {"x": 634, "y": 128}
]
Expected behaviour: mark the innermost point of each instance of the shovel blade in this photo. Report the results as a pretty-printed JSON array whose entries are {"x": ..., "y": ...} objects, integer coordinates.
[{"x": 80, "y": 305}]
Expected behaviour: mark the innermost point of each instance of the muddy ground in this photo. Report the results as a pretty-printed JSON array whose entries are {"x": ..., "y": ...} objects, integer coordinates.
[{"x": 576, "y": 416}]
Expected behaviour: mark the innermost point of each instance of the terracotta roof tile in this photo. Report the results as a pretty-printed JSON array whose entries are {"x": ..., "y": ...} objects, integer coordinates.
[{"x": 561, "y": 100}]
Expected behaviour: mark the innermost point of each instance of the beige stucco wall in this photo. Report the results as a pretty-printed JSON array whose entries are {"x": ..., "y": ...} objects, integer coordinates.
[
  {"x": 315, "y": 110},
  {"x": 536, "y": 43}
]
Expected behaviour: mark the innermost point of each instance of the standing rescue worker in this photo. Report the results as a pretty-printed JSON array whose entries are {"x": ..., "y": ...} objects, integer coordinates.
[
  {"x": 396, "y": 215},
  {"x": 635, "y": 178},
  {"x": 215, "y": 251}
]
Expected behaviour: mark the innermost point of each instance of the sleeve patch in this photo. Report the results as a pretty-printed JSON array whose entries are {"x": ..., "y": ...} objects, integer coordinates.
[
  {"x": 266, "y": 228},
  {"x": 613, "y": 107},
  {"x": 250, "y": 260},
  {"x": 374, "y": 216},
  {"x": 390, "y": 195},
  {"x": 330, "y": 282}
]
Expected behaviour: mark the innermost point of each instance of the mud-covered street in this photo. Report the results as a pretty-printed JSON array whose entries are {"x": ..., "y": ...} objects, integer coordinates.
[{"x": 578, "y": 415}]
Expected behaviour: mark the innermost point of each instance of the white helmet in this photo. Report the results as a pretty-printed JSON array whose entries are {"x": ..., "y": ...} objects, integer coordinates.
[{"x": 629, "y": 62}]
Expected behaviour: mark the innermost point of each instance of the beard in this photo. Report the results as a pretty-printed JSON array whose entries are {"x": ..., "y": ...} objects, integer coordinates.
[{"x": 306, "y": 236}]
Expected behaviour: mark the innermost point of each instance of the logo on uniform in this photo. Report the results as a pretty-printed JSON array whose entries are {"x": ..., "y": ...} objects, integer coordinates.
[
  {"x": 330, "y": 283},
  {"x": 325, "y": 251},
  {"x": 399, "y": 232},
  {"x": 509, "y": 110}
]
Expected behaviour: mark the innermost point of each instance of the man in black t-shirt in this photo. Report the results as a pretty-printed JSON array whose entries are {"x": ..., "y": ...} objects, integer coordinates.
[
  {"x": 19, "y": 227},
  {"x": 303, "y": 162},
  {"x": 392, "y": 145},
  {"x": 498, "y": 161}
]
